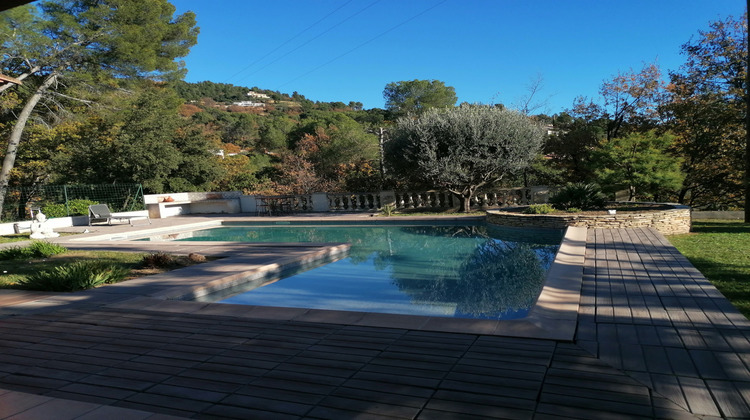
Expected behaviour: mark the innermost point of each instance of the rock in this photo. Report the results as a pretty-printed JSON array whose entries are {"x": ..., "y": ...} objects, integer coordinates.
[{"x": 198, "y": 258}]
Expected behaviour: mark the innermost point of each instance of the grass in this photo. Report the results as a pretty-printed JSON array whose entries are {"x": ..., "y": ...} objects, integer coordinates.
[
  {"x": 720, "y": 249},
  {"x": 25, "y": 237},
  {"x": 12, "y": 271},
  {"x": 14, "y": 238}
]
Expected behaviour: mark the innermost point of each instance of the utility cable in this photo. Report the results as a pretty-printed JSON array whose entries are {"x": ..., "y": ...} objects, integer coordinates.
[
  {"x": 314, "y": 38},
  {"x": 290, "y": 40},
  {"x": 362, "y": 44}
]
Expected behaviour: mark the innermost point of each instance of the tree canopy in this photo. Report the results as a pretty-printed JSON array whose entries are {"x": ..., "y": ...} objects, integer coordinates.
[
  {"x": 68, "y": 50},
  {"x": 707, "y": 112},
  {"x": 463, "y": 149},
  {"x": 102, "y": 101},
  {"x": 415, "y": 96}
]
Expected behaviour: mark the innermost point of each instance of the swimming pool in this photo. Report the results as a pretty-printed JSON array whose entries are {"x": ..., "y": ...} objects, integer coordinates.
[{"x": 446, "y": 269}]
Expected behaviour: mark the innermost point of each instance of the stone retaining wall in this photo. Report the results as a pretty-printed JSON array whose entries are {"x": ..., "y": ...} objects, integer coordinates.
[{"x": 673, "y": 221}]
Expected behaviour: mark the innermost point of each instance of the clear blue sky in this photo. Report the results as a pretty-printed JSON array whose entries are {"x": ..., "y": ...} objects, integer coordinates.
[{"x": 488, "y": 50}]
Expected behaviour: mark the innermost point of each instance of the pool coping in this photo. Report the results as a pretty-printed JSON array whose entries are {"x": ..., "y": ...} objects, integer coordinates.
[{"x": 553, "y": 316}]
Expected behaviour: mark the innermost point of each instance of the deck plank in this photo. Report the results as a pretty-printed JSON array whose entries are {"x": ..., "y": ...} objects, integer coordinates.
[{"x": 654, "y": 338}]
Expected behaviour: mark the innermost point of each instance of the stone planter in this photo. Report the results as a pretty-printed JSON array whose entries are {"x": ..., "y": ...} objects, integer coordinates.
[{"x": 673, "y": 220}]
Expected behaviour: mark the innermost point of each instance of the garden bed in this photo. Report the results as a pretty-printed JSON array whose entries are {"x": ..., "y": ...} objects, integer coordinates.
[{"x": 669, "y": 219}]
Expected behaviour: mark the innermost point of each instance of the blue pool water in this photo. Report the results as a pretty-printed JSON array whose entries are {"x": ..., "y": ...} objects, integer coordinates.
[{"x": 469, "y": 270}]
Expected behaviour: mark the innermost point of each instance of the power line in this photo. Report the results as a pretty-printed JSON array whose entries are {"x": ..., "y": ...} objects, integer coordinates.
[
  {"x": 362, "y": 44},
  {"x": 314, "y": 38},
  {"x": 290, "y": 39}
]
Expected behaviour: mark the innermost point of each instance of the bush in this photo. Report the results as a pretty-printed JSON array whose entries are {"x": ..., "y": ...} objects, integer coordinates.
[
  {"x": 157, "y": 260},
  {"x": 76, "y": 208},
  {"x": 16, "y": 253},
  {"x": 388, "y": 210},
  {"x": 579, "y": 195},
  {"x": 55, "y": 210},
  {"x": 43, "y": 249},
  {"x": 79, "y": 275},
  {"x": 573, "y": 210},
  {"x": 80, "y": 207},
  {"x": 37, "y": 249},
  {"x": 539, "y": 209}
]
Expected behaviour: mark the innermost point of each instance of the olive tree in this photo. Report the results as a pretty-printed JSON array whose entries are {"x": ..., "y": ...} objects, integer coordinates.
[{"x": 462, "y": 149}]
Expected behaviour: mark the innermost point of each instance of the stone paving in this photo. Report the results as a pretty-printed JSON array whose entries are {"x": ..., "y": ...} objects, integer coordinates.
[{"x": 654, "y": 340}]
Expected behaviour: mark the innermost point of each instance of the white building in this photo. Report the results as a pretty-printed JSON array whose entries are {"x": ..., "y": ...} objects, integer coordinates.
[
  {"x": 253, "y": 94},
  {"x": 248, "y": 103}
]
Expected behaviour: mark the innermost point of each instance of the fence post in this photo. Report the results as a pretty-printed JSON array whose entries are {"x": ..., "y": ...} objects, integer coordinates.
[{"x": 65, "y": 194}]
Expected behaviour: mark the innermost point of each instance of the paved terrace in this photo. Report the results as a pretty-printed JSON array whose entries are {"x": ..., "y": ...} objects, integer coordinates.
[{"x": 654, "y": 340}]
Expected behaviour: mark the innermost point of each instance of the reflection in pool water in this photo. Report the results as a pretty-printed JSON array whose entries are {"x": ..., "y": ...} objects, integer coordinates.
[{"x": 466, "y": 271}]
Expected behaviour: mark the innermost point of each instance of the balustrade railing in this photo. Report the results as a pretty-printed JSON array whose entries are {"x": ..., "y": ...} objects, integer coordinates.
[
  {"x": 413, "y": 200},
  {"x": 425, "y": 200},
  {"x": 354, "y": 201},
  {"x": 301, "y": 203}
]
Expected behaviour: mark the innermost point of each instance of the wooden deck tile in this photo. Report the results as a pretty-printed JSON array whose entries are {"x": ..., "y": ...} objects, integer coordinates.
[
  {"x": 458, "y": 409},
  {"x": 728, "y": 398},
  {"x": 654, "y": 339},
  {"x": 267, "y": 404},
  {"x": 698, "y": 396},
  {"x": 221, "y": 411}
]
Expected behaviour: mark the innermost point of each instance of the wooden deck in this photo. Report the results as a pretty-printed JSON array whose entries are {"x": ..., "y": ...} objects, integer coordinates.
[{"x": 654, "y": 340}]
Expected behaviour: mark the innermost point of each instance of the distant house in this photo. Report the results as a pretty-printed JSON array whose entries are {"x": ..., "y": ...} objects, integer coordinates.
[
  {"x": 254, "y": 94},
  {"x": 248, "y": 103}
]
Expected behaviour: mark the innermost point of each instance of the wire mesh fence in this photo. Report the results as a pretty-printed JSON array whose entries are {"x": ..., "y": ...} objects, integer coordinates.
[{"x": 69, "y": 200}]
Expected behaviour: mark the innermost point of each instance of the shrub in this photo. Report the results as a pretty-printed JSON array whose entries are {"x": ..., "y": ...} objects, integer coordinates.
[
  {"x": 75, "y": 207},
  {"x": 80, "y": 207},
  {"x": 157, "y": 260},
  {"x": 388, "y": 210},
  {"x": 43, "y": 249},
  {"x": 37, "y": 249},
  {"x": 579, "y": 195},
  {"x": 55, "y": 210},
  {"x": 80, "y": 275},
  {"x": 539, "y": 209},
  {"x": 16, "y": 253},
  {"x": 573, "y": 210}
]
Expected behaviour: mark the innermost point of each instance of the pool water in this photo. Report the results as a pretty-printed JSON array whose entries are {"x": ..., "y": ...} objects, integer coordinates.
[{"x": 469, "y": 270}]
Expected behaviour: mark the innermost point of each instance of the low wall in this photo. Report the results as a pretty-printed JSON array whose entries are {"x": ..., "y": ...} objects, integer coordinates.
[{"x": 673, "y": 221}]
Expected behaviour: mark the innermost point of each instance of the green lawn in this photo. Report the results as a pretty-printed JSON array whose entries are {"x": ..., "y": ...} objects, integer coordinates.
[
  {"x": 720, "y": 249},
  {"x": 14, "y": 238},
  {"x": 24, "y": 237}
]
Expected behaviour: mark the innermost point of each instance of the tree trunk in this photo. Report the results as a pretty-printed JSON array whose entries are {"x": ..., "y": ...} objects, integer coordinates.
[
  {"x": 466, "y": 203},
  {"x": 21, "y": 77},
  {"x": 15, "y": 135}
]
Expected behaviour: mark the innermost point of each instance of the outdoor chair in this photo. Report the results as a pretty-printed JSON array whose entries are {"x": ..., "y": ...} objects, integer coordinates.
[{"x": 101, "y": 213}]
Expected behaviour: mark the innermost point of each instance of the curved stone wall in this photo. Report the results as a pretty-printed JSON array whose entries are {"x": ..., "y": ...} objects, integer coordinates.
[{"x": 672, "y": 221}]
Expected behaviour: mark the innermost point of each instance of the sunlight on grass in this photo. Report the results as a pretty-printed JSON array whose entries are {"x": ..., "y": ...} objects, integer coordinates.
[
  {"x": 12, "y": 271},
  {"x": 720, "y": 249},
  {"x": 14, "y": 238}
]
